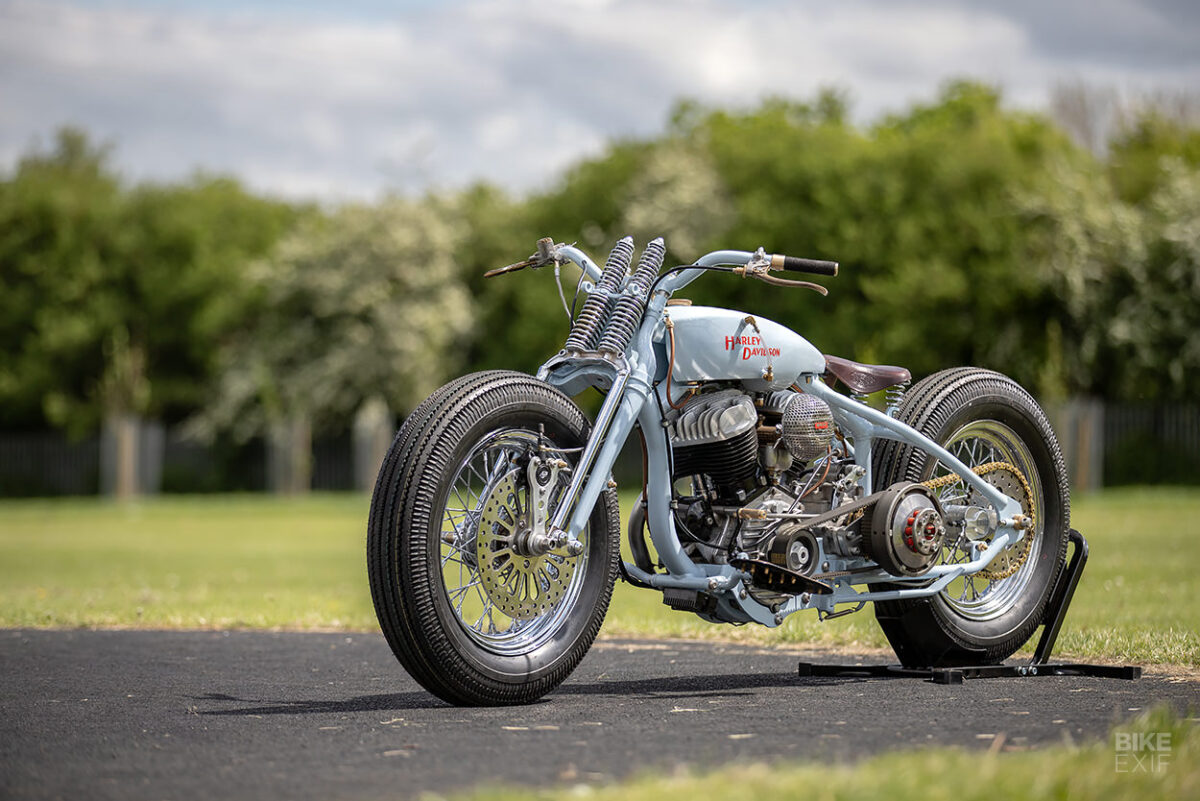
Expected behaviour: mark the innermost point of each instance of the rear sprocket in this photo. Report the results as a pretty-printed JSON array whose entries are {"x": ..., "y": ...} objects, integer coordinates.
[{"x": 1005, "y": 477}]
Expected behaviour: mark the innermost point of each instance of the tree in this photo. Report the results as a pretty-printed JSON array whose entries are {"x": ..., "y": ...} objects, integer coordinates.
[
  {"x": 919, "y": 209},
  {"x": 923, "y": 210},
  {"x": 1080, "y": 235},
  {"x": 1152, "y": 309},
  {"x": 114, "y": 300},
  {"x": 363, "y": 303},
  {"x": 678, "y": 195},
  {"x": 60, "y": 234},
  {"x": 667, "y": 188},
  {"x": 1139, "y": 153}
]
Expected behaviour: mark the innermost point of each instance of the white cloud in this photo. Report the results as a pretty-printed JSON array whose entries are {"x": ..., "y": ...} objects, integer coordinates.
[{"x": 510, "y": 91}]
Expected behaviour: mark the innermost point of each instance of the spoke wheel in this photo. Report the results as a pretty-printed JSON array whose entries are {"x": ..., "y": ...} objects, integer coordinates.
[
  {"x": 506, "y": 601},
  {"x": 470, "y": 610},
  {"x": 980, "y": 445},
  {"x": 991, "y": 424}
]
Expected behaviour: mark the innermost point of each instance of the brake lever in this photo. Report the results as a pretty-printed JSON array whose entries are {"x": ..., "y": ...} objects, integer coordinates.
[
  {"x": 788, "y": 282},
  {"x": 759, "y": 267}
]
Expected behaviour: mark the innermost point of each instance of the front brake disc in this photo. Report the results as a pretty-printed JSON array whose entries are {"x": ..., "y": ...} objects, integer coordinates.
[{"x": 522, "y": 587}]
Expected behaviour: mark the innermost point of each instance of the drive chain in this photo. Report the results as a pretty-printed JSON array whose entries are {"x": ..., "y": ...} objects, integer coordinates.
[{"x": 1014, "y": 556}]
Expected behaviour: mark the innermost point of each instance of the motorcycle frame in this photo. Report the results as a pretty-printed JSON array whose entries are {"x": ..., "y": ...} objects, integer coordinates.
[{"x": 636, "y": 395}]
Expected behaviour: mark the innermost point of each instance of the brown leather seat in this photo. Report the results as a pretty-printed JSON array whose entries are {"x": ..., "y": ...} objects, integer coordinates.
[{"x": 866, "y": 378}]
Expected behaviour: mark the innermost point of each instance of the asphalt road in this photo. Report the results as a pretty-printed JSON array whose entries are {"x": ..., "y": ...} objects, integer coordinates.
[{"x": 181, "y": 715}]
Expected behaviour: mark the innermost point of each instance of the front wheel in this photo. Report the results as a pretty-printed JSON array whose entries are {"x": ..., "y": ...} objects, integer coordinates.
[
  {"x": 473, "y": 614},
  {"x": 993, "y": 426}
]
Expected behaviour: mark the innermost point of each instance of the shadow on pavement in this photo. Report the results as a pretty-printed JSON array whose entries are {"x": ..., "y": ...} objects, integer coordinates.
[
  {"x": 692, "y": 686},
  {"x": 363, "y": 703},
  {"x": 661, "y": 687}
]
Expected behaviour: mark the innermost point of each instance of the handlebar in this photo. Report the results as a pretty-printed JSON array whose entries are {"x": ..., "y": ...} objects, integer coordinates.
[
  {"x": 754, "y": 264},
  {"x": 798, "y": 265},
  {"x": 680, "y": 277}
]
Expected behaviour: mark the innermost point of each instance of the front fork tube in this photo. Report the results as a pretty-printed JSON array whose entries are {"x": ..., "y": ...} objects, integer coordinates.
[
  {"x": 635, "y": 405},
  {"x": 614, "y": 404},
  {"x": 608, "y": 444},
  {"x": 632, "y": 406},
  {"x": 629, "y": 401}
]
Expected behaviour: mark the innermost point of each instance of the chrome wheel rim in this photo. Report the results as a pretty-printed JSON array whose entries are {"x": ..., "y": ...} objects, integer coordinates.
[
  {"x": 507, "y": 603},
  {"x": 978, "y": 597}
]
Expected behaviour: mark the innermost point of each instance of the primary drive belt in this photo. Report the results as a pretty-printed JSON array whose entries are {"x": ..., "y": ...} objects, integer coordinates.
[{"x": 779, "y": 579}]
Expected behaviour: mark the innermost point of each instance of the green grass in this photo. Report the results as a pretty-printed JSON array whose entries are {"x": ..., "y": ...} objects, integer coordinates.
[
  {"x": 260, "y": 561},
  {"x": 945, "y": 774},
  {"x": 225, "y": 561}
]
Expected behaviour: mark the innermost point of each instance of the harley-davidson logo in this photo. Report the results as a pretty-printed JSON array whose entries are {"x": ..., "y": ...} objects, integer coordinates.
[{"x": 750, "y": 345}]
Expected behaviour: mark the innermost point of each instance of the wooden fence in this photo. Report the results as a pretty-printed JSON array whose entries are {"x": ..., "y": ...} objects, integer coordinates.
[{"x": 1105, "y": 444}]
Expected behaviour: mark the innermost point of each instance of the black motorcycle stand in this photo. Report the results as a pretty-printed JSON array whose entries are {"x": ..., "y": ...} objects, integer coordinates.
[{"x": 1056, "y": 610}]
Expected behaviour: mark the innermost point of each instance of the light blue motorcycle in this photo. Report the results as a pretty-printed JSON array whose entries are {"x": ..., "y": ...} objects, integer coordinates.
[{"x": 494, "y": 535}]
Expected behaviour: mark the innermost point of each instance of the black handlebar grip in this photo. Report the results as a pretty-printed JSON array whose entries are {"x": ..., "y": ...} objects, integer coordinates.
[{"x": 798, "y": 265}]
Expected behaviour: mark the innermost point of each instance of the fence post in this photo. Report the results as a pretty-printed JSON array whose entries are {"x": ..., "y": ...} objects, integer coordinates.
[
  {"x": 289, "y": 456},
  {"x": 1079, "y": 424},
  {"x": 131, "y": 456},
  {"x": 1092, "y": 456},
  {"x": 373, "y": 432},
  {"x": 119, "y": 456},
  {"x": 152, "y": 444}
]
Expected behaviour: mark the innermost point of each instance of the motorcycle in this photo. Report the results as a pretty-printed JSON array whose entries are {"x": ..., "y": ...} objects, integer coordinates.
[{"x": 494, "y": 534}]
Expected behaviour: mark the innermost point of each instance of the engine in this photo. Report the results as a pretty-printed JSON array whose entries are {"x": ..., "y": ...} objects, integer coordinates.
[
  {"x": 752, "y": 470},
  {"x": 746, "y": 456},
  {"x": 714, "y": 436}
]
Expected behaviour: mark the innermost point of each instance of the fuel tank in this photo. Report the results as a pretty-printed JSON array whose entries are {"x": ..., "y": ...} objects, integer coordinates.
[{"x": 713, "y": 344}]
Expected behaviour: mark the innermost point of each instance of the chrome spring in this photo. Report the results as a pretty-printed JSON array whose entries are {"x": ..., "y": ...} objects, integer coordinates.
[
  {"x": 895, "y": 394},
  {"x": 648, "y": 266},
  {"x": 586, "y": 330},
  {"x": 624, "y": 318},
  {"x": 627, "y": 313}
]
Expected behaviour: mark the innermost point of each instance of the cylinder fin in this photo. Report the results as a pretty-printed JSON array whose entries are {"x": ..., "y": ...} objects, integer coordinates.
[{"x": 714, "y": 435}]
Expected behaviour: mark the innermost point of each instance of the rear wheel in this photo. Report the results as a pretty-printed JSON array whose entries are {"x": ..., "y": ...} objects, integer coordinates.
[
  {"x": 992, "y": 425},
  {"x": 471, "y": 612}
]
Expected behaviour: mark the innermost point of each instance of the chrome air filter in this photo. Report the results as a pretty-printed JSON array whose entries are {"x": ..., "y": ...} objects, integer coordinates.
[{"x": 807, "y": 427}]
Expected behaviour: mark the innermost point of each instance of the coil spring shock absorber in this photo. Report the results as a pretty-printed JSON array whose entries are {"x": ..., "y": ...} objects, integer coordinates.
[
  {"x": 895, "y": 396},
  {"x": 627, "y": 312},
  {"x": 586, "y": 331}
]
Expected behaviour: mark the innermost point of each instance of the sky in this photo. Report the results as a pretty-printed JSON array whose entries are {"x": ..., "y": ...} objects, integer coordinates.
[{"x": 351, "y": 99}]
